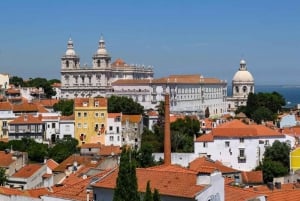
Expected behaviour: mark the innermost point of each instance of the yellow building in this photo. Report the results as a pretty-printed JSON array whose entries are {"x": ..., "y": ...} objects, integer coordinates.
[
  {"x": 90, "y": 120},
  {"x": 295, "y": 159}
]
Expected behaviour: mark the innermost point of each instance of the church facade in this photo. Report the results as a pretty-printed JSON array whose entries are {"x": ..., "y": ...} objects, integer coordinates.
[
  {"x": 82, "y": 81},
  {"x": 242, "y": 86}
]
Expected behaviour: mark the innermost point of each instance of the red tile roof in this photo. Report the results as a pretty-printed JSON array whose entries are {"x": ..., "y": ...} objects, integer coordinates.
[
  {"x": 5, "y": 159},
  {"x": 114, "y": 115},
  {"x": 169, "y": 180},
  {"x": 27, "y": 171},
  {"x": 233, "y": 193},
  {"x": 252, "y": 177},
  {"x": 205, "y": 138},
  {"x": 109, "y": 150},
  {"x": 131, "y": 118},
  {"x": 47, "y": 102},
  {"x": 65, "y": 118},
  {"x": 206, "y": 165},
  {"x": 52, "y": 164},
  {"x": 79, "y": 102},
  {"x": 25, "y": 107},
  {"x": 27, "y": 119},
  {"x": 91, "y": 145},
  {"x": 7, "y": 106}
]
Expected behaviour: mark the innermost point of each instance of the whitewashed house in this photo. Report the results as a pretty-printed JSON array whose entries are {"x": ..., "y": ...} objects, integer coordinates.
[
  {"x": 113, "y": 134},
  {"x": 238, "y": 145}
]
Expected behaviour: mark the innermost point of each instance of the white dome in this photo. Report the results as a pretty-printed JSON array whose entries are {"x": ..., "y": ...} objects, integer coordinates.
[
  {"x": 243, "y": 76},
  {"x": 70, "y": 52},
  {"x": 101, "y": 51}
]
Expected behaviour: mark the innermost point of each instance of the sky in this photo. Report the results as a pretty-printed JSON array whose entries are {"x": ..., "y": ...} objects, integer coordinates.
[{"x": 207, "y": 37}]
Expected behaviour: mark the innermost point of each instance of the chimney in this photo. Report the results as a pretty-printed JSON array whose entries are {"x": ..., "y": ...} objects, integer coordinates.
[{"x": 167, "y": 140}]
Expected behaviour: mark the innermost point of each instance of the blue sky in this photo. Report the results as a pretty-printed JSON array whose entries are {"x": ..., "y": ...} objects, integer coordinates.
[{"x": 205, "y": 37}]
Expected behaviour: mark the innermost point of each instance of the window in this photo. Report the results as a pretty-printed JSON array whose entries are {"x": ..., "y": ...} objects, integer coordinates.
[
  {"x": 96, "y": 114},
  {"x": 241, "y": 140},
  {"x": 96, "y": 127},
  {"x": 96, "y": 103},
  {"x": 267, "y": 143},
  {"x": 242, "y": 153},
  {"x": 85, "y": 125},
  {"x": 111, "y": 138},
  {"x": 110, "y": 128},
  {"x": 79, "y": 125},
  {"x": 85, "y": 104},
  {"x": 118, "y": 129},
  {"x": 79, "y": 114},
  {"x": 85, "y": 114},
  {"x": 241, "y": 157},
  {"x": 227, "y": 143},
  {"x": 53, "y": 125},
  {"x": 118, "y": 138},
  {"x": 102, "y": 115},
  {"x": 204, "y": 144}
]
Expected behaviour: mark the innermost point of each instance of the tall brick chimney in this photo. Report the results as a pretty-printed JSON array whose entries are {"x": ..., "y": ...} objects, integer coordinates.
[{"x": 167, "y": 140}]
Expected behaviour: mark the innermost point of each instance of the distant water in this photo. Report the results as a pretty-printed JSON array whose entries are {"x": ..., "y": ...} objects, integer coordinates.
[{"x": 291, "y": 93}]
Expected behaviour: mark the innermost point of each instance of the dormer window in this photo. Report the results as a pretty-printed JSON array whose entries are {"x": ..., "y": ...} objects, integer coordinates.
[
  {"x": 85, "y": 104},
  {"x": 96, "y": 103}
]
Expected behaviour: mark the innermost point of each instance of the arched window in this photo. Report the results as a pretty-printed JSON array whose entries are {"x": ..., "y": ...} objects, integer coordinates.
[
  {"x": 98, "y": 63},
  {"x": 67, "y": 64},
  {"x": 244, "y": 89},
  {"x": 237, "y": 89}
]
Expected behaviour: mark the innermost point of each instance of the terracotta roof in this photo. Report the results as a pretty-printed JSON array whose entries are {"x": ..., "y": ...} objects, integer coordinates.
[
  {"x": 81, "y": 160},
  {"x": 90, "y": 145},
  {"x": 206, "y": 165},
  {"x": 114, "y": 115},
  {"x": 12, "y": 91},
  {"x": 169, "y": 180},
  {"x": 6, "y": 106},
  {"x": 27, "y": 119},
  {"x": 77, "y": 191},
  {"x": 10, "y": 191},
  {"x": 173, "y": 118},
  {"x": 152, "y": 113},
  {"x": 25, "y": 107},
  {"x": 52, "y": 164},
  {"x": 132, "y": 118},
  {"x": 70, "y": 117},
  {"x": 46, "y": 176},
  {"x": 286, "y": 195},
  {"x": 47, "y": 102},
  {"x": 27, "y": 170},
  {"x": 37, "y": 192},
  {"x": 205, "y": 138},
  {"x": 187, "y": 79},
  {"x": 79, "y": 101},
  {"x": 252, "y": 177},
  {"x": 238, "y": 129},
  {"x": 118, "y": 63},
  {"x": 108, "y": 150},
  {"x": 233, "y": 193},
  {"x": 6, "y": 159}
]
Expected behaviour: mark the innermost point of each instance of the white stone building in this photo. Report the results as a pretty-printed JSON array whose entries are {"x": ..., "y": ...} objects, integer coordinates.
[
  {"x": 83, "y": 81},
  {"x": 113, "y": 134},
  {"x": 188, "y": 93},
  {"x": 238, "y": 145},
  {"x": 242, "y": 85}
]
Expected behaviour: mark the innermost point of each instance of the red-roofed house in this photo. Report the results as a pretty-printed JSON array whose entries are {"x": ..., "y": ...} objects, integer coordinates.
[
  {"x": 6, "y": 115},
  {"x": 237, "y": 145},
  {"x": 113, "y": 134},
  {"x": 26, "y": 126},
  {"x": 172, "y": 182},
  {"x": 28, "y": 177}
]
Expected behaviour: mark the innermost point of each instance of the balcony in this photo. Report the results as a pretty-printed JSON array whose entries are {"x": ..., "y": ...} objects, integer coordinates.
[{"x": 241, "y": 159}]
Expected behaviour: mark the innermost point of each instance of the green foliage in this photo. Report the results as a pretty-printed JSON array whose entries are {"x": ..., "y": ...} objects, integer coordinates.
[
  {"x": 263, "y": 114},
  {"x": 144, "y": 156},
  {"x": 124, "y": 105},
  {"x": 17, "y": 81},
  {"x": 53, "y": 81},
  {"x": 263, "y": 106},
  {"x": 182, "y": 134},
  {"x": 276, "y": 161},
  {"x": 154, "y": 139},
  {"x": 63, "y": 149},
  {"x": 64, "y": 106},
  {"x": 148, "y": 195},
  {"x": 126, "y": 188},
  {"x": 156, "y": 196},
  {"x": 3, "y": 177}
]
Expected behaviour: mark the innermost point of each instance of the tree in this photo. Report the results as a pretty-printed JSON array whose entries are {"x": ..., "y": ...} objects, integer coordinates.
[
  {"x": 3, "y": 177},
  {"x": 262, "y": 114},
  {"x": 64, "y": 106},
  {"x": 276, "y": 161},
  {"x": 156, "y": 196},
  {"x": 63, "y": 149},
  {"x": 207, "y": 114},
  {"x": 144, "y": 156},
  {"x": 148, "y": 194},
  {"x": 126, "y": 188},
  {"x": 17, "y": 81},
  {"x": 125, "y": 105},
  {"x": 182, "y": 134}
]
